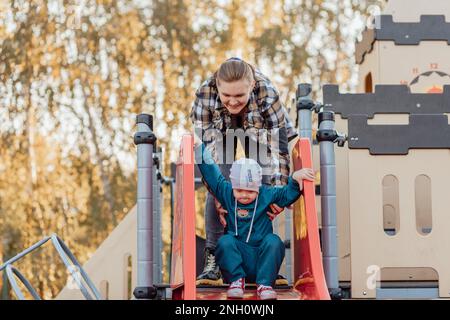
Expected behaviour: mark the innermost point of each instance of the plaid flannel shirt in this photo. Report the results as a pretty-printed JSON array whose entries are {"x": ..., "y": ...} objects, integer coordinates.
[{"x": 265, "y": 115}]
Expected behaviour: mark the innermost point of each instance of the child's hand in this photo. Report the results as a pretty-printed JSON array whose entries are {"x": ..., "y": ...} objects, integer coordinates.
[{"x": 303, "y": 174}]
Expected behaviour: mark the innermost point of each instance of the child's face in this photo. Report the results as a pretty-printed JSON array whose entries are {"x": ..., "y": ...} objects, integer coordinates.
[{"x": 245, "y": 196}]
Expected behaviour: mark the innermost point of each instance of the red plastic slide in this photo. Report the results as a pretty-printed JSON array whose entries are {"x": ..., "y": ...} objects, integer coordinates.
[
  {"x": 309, "y": 278},
  {"x": 308, "y": 271},
  {"x": 182, "y": 274}
]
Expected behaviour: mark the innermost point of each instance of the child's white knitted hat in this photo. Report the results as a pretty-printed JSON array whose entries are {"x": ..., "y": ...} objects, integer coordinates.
[{"x": 246, "y": 174}]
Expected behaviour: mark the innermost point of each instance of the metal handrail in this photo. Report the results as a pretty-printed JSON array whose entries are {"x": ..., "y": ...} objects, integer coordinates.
[
  {"x": 10, "y": 272},
  {"x": 24, "y": 252},
  {"x": 69, "y": 261}
]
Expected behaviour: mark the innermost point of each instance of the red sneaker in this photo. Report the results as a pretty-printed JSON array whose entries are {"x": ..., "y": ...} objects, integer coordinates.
[
  {"x": 266, "y": 292},
  {"x": 236, "y": 289}
]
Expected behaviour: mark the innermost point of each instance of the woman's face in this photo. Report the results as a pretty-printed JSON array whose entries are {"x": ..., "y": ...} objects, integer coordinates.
[{"x": 235, "y": 95}]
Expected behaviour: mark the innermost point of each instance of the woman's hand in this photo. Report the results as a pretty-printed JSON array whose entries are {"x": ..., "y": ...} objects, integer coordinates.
[
  {"x": 197, "y": 141},
  {"x": 276, "y": 210},
  {"x": 303, "y": 174},
  {"x": 221, "y": 212}
]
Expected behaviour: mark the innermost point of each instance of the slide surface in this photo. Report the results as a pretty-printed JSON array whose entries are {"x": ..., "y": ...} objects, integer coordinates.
[{"x": 309, "y": 277}]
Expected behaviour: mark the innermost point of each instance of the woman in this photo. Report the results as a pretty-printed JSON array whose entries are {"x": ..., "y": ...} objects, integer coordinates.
[{"x": 239, "y": 97}]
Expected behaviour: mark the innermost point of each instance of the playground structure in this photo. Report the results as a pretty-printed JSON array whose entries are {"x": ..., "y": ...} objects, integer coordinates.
[
  {"x": 403, "y": 60},
  {"x": 383, "y": 197}
]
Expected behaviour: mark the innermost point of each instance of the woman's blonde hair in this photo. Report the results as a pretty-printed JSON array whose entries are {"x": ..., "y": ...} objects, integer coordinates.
[{"x": 235, "y": 69}]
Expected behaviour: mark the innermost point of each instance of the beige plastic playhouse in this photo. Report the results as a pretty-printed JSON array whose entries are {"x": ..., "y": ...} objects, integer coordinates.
[
  {"x": 398, "y": 231},
  {"x": 393, "y": 210}
]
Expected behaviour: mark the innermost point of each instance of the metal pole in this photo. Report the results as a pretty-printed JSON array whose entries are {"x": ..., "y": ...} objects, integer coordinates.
[
  {"x": 327, "y": 136},
  {"x": 305, "y": 107},
  {"x": 144, "y": 139},
  {"x": 5, "y": 287},
  {"x": 11, "y": 272},
  {"x": 75, "y": 269}
]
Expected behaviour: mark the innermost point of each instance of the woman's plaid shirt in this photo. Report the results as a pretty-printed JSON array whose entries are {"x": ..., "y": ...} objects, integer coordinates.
[{"x": 266, "y": 122}]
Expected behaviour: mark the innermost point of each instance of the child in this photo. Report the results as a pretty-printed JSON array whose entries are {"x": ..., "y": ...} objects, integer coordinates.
[{"x": 249, "y": 249}]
